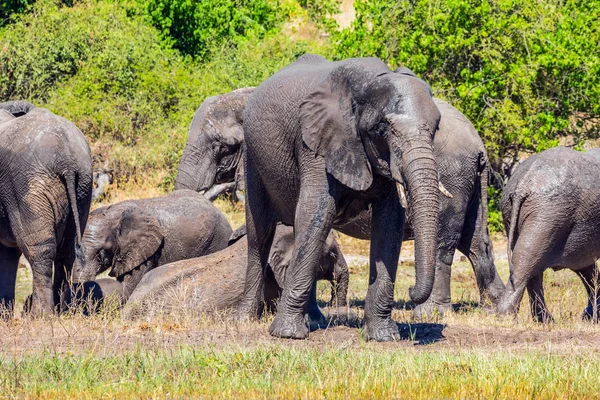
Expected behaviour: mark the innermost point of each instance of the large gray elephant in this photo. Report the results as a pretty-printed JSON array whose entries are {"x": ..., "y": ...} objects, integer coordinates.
[
  {"x": 45, "y": 196},
  {"x": 551, "y": 211},
  {"x": 463, "y": 169},
  {"x": 325, "y": 141},
  {"x": 132, "y": 237}
]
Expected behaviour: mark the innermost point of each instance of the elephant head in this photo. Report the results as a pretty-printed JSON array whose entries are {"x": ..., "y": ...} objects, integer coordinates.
[
  {"x": 212, "y": 152},
  {"x": 122, "y": 238},
  {"x": 366, "y": 120}
]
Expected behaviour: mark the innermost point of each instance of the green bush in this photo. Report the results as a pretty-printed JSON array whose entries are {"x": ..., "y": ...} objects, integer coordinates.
[
  {"x": 196, "y": 27},
  {"x": 10, "y": 7}
]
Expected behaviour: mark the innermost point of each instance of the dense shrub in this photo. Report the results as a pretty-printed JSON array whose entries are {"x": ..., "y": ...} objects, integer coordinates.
[{"x": 196, "y": 27}]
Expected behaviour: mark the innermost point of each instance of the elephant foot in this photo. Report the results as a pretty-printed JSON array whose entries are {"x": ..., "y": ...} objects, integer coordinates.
[
  {"x": 588, "y": 315},
  {"x": 431, "y": 310},
  {"x": 381, "y": 330},
  {"x": 289, "y": 326},
  {"x": 247, "y": 312},
  {"x": 543, "y": 317}
]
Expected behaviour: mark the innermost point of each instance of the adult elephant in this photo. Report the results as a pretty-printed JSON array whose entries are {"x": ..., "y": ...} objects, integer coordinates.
[
  {"x": 45, "y": 196},
  {"x": 325, "y": 141},
  {"x": 550, "y": 208},
  {"x": 463, "y": 169},
  {"x": 133, "y": 237}
]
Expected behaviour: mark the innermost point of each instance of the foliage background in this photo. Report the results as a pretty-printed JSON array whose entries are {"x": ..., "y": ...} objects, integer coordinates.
[{"x": 131, "y": 73}]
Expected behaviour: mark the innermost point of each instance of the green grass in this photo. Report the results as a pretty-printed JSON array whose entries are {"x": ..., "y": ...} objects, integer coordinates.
[{"x": 291, "y": 373}]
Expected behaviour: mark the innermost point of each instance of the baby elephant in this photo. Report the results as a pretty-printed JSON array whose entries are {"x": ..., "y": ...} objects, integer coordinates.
[
  {"x": 551, "y": 211},
  {"x": 133, "y": 237}
]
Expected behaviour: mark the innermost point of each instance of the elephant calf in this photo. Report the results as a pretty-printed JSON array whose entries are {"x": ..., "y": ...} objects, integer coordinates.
[
  {"x": 133, "y": 237},
  {"x": 216, "y": 282},
  {"x": 551, "y": 211}
]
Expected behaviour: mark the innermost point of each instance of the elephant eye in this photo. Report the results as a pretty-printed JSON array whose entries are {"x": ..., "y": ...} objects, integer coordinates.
[{"x": 382, "y": 130}]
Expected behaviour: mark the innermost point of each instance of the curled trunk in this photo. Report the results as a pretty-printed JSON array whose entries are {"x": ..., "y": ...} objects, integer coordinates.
[{"x": 17, "y": 108}]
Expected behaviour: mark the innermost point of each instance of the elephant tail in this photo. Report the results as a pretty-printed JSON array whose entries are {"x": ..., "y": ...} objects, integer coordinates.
[
  {"x": 72, "y": 194},
  {"x": 516, "y": 203}
]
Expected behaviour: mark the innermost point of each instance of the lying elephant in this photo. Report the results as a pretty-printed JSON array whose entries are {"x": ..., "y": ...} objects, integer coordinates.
[
  {"x": 45, "y": 197},
  {"x": 216, "y": 281},
  {"x": 133, "y": 237},
  {"x": 210, "y": 164},
  {"x": 551, "y": 212}
]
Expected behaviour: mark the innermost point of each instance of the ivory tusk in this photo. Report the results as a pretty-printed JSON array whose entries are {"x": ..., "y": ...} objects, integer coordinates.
[
  {"x": 402, "y": 195},
  {"x": 444, "y": 191}
]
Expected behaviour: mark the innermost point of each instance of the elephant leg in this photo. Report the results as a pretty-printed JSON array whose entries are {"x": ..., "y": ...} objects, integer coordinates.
[
  {"x": 591, "y": 280},
  {"x": 9, "y": 264},
  {"x": 341, "y": 278},
  {"x": 260, "y": 229},
  {"x": 439, "y": 302},
  {"x": 387, "y": 229},
  {"x": 314, "y": 218},
  {"x": 476, "y": 244},
  {"x": 531, "y": 255},
  {"x": 535, "y": 289}
]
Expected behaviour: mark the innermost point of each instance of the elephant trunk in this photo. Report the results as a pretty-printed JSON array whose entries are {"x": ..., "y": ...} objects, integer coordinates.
[
  {"x": 195, "y": 174},
  {"x": 420, "y": 172}
]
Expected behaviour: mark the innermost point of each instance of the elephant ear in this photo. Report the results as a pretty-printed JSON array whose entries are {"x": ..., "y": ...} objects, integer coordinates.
[
  {"x": 139, "y": 236},
  {"x": 329, "y": 129}
]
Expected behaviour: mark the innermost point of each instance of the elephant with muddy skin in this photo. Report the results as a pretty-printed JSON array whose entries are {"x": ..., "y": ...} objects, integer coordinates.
[
  {"x": 463, "y": 169},
  {"x": 45, "y": 196},
  {"x": 133, "y": 237},
  {"x": 551, "y": 212},
  {"x": 216, "y": 282}
]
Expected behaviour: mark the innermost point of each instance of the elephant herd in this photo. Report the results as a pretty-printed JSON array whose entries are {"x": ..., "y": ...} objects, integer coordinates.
[{"x": 348, "y": 145}]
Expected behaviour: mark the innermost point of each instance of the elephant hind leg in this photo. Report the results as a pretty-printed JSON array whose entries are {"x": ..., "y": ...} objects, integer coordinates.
[
  {"x": 537, "y": 303},
  {"x": 590, "y": 276},
  {"x": 9, "y": 264},
  {"x": 260, "y": 229}
]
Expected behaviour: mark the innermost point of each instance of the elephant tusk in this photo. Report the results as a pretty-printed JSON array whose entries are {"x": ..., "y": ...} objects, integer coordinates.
[
  {"x": 444, "y": 191},
  {"x": 402, "y": 194}
]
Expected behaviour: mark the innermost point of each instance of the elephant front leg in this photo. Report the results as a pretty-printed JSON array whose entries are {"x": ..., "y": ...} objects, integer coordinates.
[
  {"x": 314, "y": 218},
  {"x": 387, "y": 228}
]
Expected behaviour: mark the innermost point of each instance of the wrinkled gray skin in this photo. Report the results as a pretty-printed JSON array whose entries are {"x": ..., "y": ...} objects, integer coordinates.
[
  {"x": 216, "y": 282},
  {"x": 45, "y": 196},
  {"x": 332, "y": 266},
  {"x": 209, "y": 157},
  {"x": 324, "y": 141},
  {"x": 552, "y": 219},
  {"x": 463, "y": 170},
  {"x": 132, "y": 237}
]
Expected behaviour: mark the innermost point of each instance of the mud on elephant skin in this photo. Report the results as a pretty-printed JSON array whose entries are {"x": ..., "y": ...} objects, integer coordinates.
[
  {"x": 216, "y": 282},
  {"x": 463, "y": 169},
  {"x": 132, "y": 237},
  {"x": 552, "y": 219},
  {"x": 45, "y": 196}
]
